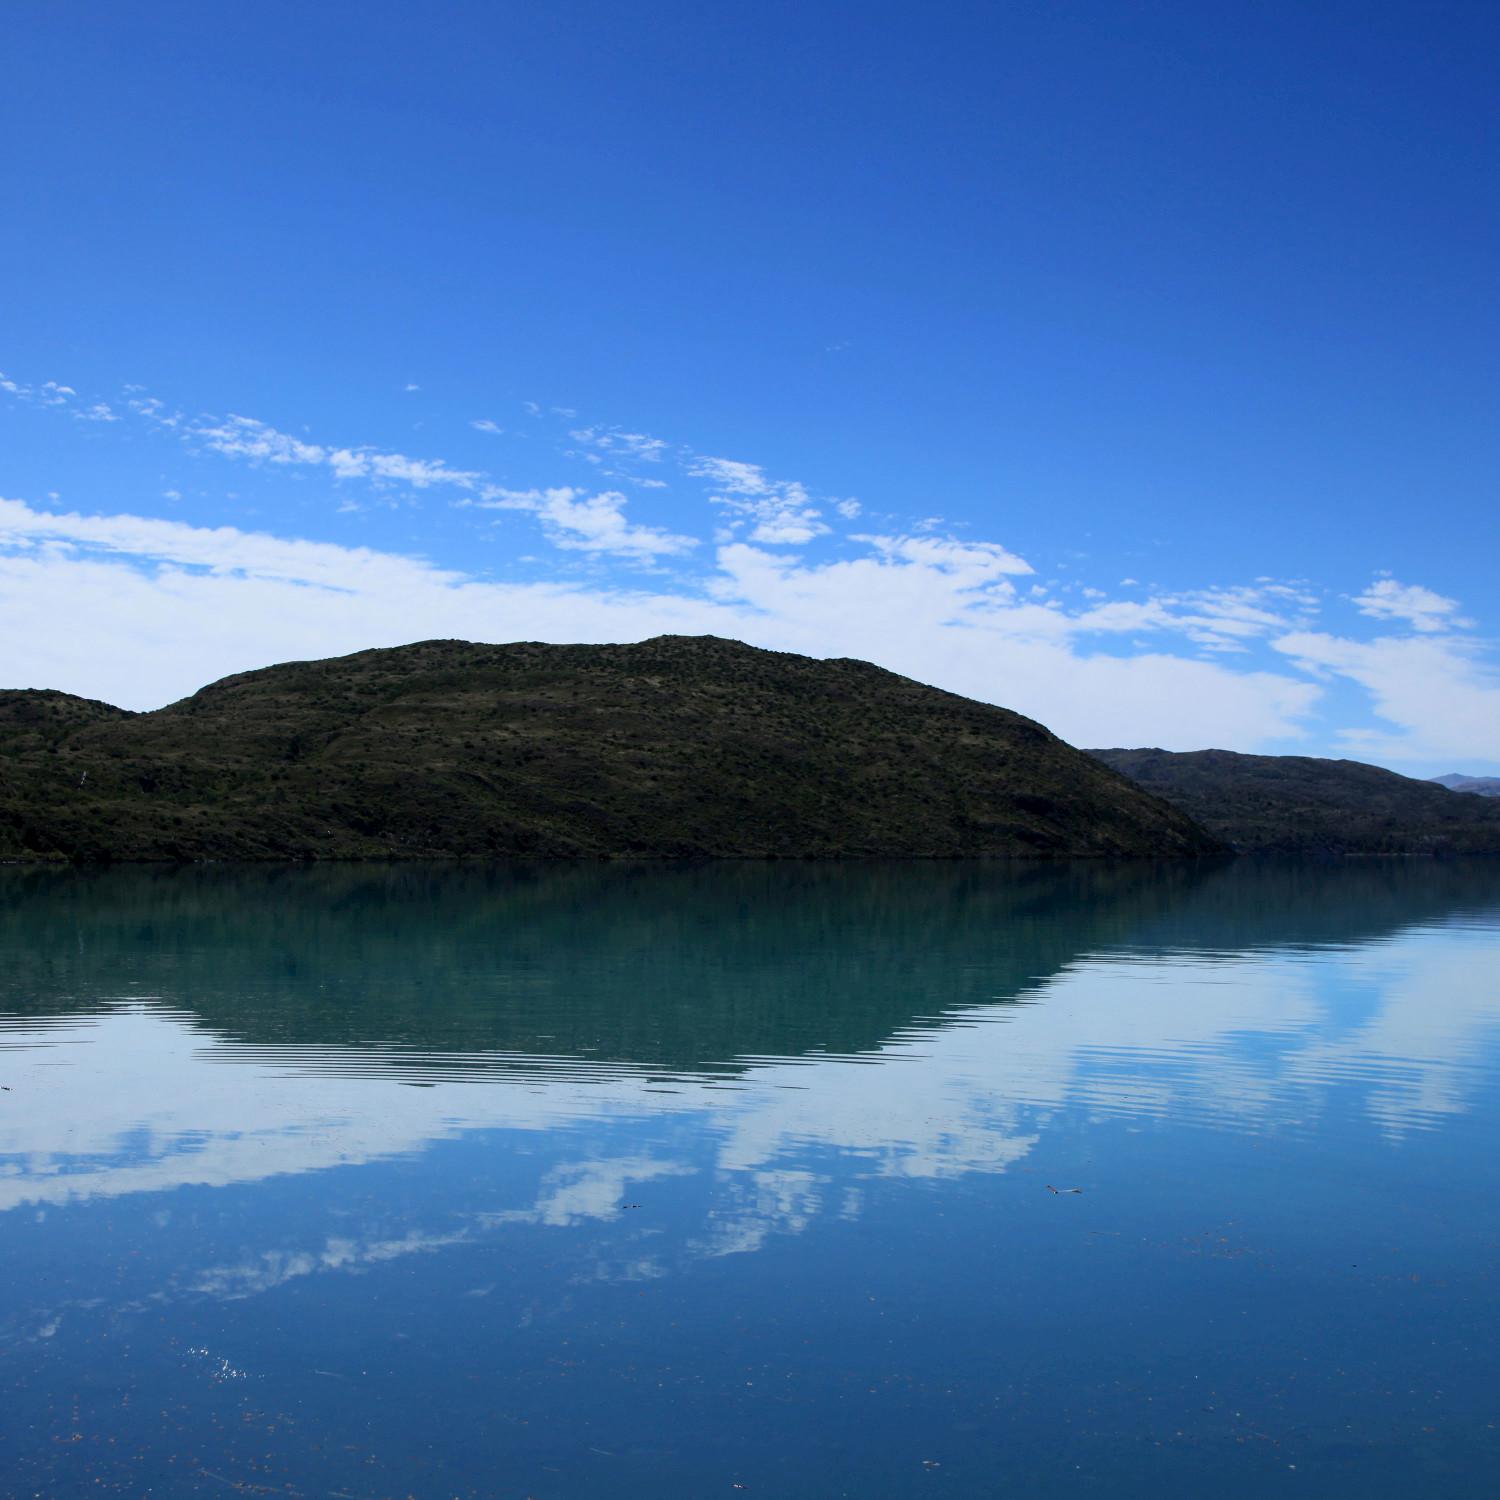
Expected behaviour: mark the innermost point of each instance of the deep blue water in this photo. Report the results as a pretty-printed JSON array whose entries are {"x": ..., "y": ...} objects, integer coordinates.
[{"x": 632, "y": 1181}]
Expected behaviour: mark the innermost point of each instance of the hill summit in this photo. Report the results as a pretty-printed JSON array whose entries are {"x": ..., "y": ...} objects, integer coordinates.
[{"x": 676, "y": 747}]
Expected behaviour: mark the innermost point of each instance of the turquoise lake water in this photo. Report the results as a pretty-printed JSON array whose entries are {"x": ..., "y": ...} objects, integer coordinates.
[{"x": 637, "y": 1181}]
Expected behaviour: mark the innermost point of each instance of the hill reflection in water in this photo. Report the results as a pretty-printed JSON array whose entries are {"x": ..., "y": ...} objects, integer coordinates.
[
  {"x": 917, "y": 1011},
  {"x": 307, "y": 1078}
]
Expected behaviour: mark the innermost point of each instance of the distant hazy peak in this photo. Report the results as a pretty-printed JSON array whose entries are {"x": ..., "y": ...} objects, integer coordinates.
[{"x": 1483, "y": 786}]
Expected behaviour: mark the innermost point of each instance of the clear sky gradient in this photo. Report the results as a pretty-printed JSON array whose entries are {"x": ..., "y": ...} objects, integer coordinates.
[{"x": 1132, "y": 365}]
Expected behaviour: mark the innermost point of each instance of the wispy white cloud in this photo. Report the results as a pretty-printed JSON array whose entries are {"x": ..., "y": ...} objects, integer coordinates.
[
  {"x": 246, "y": 437},
  {"x": 970, "y": 560},
  {"x": 152, "y": 410},
  {"x": 582, "y": 522},
  {"x": 1438, "y": 696},
  {"x": 222, "y": 551},
  {"x": 621, "y": 444},
  {"x": 48, "y": 393},
  {"x": 571, "y": 519},
  {"x": 54, "y": 393},
  {"x": 614, "y": 453},
  {"x": 1421, "y": 608},
  {"x": 788, "y": 528},
  {"x": 249, "y": 438},
  {"x": 1219, "y": 620},
  {"x": 778, "y": 512},
  {"x": 1434, "y": 690},
  {"x": 731, "y": 476}
]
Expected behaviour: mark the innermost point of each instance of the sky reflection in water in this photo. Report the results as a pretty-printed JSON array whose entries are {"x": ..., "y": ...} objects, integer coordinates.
[{"x": 658, "y": 1181}]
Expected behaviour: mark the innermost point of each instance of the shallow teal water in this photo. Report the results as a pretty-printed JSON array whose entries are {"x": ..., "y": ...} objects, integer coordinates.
[{"x": 638, "y": 1181}]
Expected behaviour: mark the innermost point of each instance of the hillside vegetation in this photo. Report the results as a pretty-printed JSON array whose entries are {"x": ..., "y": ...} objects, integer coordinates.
[
  {"x": 1294, "y": 804},
  {"x": 678, "y": 746}
]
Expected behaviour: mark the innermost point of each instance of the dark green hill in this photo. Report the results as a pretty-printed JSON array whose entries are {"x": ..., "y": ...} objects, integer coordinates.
[
  {"x": 1294, "y": 804},
  {"x": 33, "y": 719},
  {"x": 679, "y": 746}
]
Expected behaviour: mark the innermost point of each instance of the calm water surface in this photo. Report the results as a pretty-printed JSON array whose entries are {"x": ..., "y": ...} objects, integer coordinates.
[{"x": 630, "y": 1181}]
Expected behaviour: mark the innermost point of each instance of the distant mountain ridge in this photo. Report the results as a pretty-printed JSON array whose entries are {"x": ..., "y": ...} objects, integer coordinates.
[
  {"x": 675, "y": 747},
  {"x": 1481, "y": 786},
  {"x": 1295, "y": 804}
]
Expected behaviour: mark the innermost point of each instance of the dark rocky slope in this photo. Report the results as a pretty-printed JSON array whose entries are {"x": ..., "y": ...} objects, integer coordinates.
[
  {"x": 1294, "y": 804},
  {"x": 679, "y": 746}
]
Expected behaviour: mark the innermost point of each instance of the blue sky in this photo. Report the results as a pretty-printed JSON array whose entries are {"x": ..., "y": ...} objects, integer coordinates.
[{"x": 1132, "y": 365}]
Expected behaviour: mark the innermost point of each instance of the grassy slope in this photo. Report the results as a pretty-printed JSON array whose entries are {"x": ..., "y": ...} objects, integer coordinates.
[
  {"x": 678, "y": 746},
  {"x": 1298, "y": 805}
]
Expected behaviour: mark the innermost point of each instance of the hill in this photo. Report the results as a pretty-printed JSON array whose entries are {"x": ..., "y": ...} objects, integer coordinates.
[
  {"x": 1294, "y": 804},
  {"x": 1483, "y": 786},
  {"x": 679, "y": 746}
]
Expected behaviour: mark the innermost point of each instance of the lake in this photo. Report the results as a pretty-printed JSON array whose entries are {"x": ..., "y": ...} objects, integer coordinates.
[{"x": 801, "y": 1180}]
